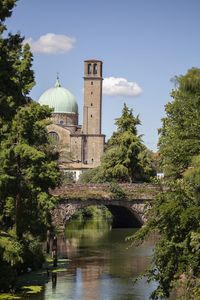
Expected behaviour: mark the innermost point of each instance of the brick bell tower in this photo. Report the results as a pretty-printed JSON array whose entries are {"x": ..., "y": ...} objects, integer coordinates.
[
  {"x": 93, "y": 139},
  {"x": 92, "y": 111}
]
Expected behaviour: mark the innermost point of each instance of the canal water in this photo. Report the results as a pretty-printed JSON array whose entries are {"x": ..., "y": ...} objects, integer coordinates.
[{"x": 100, "y": 266}]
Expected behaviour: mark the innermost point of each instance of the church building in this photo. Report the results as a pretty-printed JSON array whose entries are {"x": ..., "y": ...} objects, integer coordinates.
[{"x": 80, "y": 147}]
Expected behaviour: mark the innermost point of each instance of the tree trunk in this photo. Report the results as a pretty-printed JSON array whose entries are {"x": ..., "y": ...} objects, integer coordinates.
[
  {"x": 48, "y": 242},
  {"x": 19, "y": 232},
  {"x": 18, "y": 208},
  {"x": 54, "y": 251}
]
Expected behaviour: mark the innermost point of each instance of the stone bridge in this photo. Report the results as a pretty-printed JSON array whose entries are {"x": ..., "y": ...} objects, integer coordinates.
[{"x": 126, "y": 202}]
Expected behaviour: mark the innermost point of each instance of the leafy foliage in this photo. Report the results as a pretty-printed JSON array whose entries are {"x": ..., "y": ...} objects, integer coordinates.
[
  {"x": 67, "y": 177},
  {"x": 11, "y": 250},
  {"x": 28, "y": 170},
  {"x": 28, "y": 167},
  {"x": 175, "y": 218},
  {"x": 127, "y": 159},
  {"x": 180, "y": 134},
  {"x": 6, "y": 7},
  {"x": 94, "y": 175},
  {"x": 175, "y": 214},
  {"x": 116, "y": 191}
]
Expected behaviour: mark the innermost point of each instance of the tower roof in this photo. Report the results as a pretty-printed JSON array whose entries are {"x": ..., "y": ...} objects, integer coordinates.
[
  {"x": 93, "y": 60},
  {"x": 60, "y": 99}
]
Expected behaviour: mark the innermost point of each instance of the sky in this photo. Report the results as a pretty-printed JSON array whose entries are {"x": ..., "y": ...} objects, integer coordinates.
[{"x": 143, "y": 44}]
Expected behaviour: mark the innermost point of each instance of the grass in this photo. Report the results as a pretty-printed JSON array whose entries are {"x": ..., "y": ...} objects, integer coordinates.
[
  {"x": 32, "y": 289},
  {"x": 33, "y": 282},
  {"x": 6, "y": 296},
  {"x": 23, "y": 291},
  {"x": 58, "y": 270}
]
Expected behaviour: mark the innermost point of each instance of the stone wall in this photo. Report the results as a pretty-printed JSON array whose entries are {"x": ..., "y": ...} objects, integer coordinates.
[
  {"x": 93, "y": 149},
  {"x": 133, "y": 191},
  {"x": 66, "y": 119},
  {"x": 76, "y": 147}
]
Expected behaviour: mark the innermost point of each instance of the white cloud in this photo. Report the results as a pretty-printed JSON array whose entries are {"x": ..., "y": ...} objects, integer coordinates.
[
  {"x": 51, "y": 43},
  {"x": 114, "y": 86}
]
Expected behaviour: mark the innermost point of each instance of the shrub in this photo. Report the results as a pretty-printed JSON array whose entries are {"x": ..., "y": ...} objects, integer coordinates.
[{"x": 116, "y": 191}]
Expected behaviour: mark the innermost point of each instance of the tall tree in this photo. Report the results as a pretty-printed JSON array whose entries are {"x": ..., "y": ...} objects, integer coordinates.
[
  {"x": 28, "y": 165},
  {"x": 180, "y": 134},
  {"x": 175, "y": 213},
  {"x": 126, "y": 158},
  {"x": 16, "y": 76},
  {"x": 6, "y": 7},
  {"x": 28, "y": 170},
  {"x": 174, "y": 217}
]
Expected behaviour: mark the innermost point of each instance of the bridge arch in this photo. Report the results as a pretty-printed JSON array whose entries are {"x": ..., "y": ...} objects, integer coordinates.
[
  {"x": 124, "y": 217},
  {"x": 125, "y": 213}
]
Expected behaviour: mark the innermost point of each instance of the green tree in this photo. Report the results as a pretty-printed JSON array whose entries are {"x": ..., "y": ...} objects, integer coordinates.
[
  {"x": 175, "y": 218},
  {"x": 28, "y": 170},
  {"x": 126, "y": 159},
  {"x": 67, "y": 177},
  {"x": 16, "y": 77},
  {"x": 175, "y": 213},
  {"x": 28, "y": 165},
  {"x": 94, "y": 175},
  {"x": 6, "y": 7},
  {"x": 180, "y": 134}
]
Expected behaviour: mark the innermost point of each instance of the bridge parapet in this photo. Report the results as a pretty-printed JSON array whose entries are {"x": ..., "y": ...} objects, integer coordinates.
[{"x": 144, "y": 191}]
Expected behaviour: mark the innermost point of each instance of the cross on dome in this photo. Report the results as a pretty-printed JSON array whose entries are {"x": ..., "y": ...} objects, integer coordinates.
[{"x": 57, "y": 84}]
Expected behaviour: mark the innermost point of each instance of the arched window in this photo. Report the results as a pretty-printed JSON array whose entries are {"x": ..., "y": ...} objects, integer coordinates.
[
  {"x": 89, "y": 69},
  {"x": 95, "y": 69},
  {"x": 54, "y": 136}
]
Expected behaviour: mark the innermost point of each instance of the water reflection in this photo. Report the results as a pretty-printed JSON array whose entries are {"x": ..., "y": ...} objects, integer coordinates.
[{"x": 101, "y": 266}]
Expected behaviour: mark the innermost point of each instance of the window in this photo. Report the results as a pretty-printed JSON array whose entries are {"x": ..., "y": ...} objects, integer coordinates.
[
  {"x": 61, "y": 122},
  {"x": 91, "y": 82},
  {"x": 91, "y": 93},
  {"x": 54, "y": 136},
  {"x": 95, "y": 69},
  {"x": 89, "y": 69},
  {"x": 91, "y": 116},
  {"x": 91, "y": 104}
]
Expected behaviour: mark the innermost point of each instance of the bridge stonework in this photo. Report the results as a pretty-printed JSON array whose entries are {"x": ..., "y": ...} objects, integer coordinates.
[{"x": 130, "y": 206}]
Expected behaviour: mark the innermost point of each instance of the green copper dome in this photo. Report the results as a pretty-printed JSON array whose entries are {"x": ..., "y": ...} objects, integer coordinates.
[{"x": 60, "y": 99}]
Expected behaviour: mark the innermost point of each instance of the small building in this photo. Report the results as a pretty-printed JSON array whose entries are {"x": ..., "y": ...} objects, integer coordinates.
[
  {"x": 160, "y": 175},
  {"x": 80, "y": 146}
]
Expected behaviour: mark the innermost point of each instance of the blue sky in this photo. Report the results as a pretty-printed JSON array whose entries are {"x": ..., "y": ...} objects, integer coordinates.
[{"x": 142, "y": 43}]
